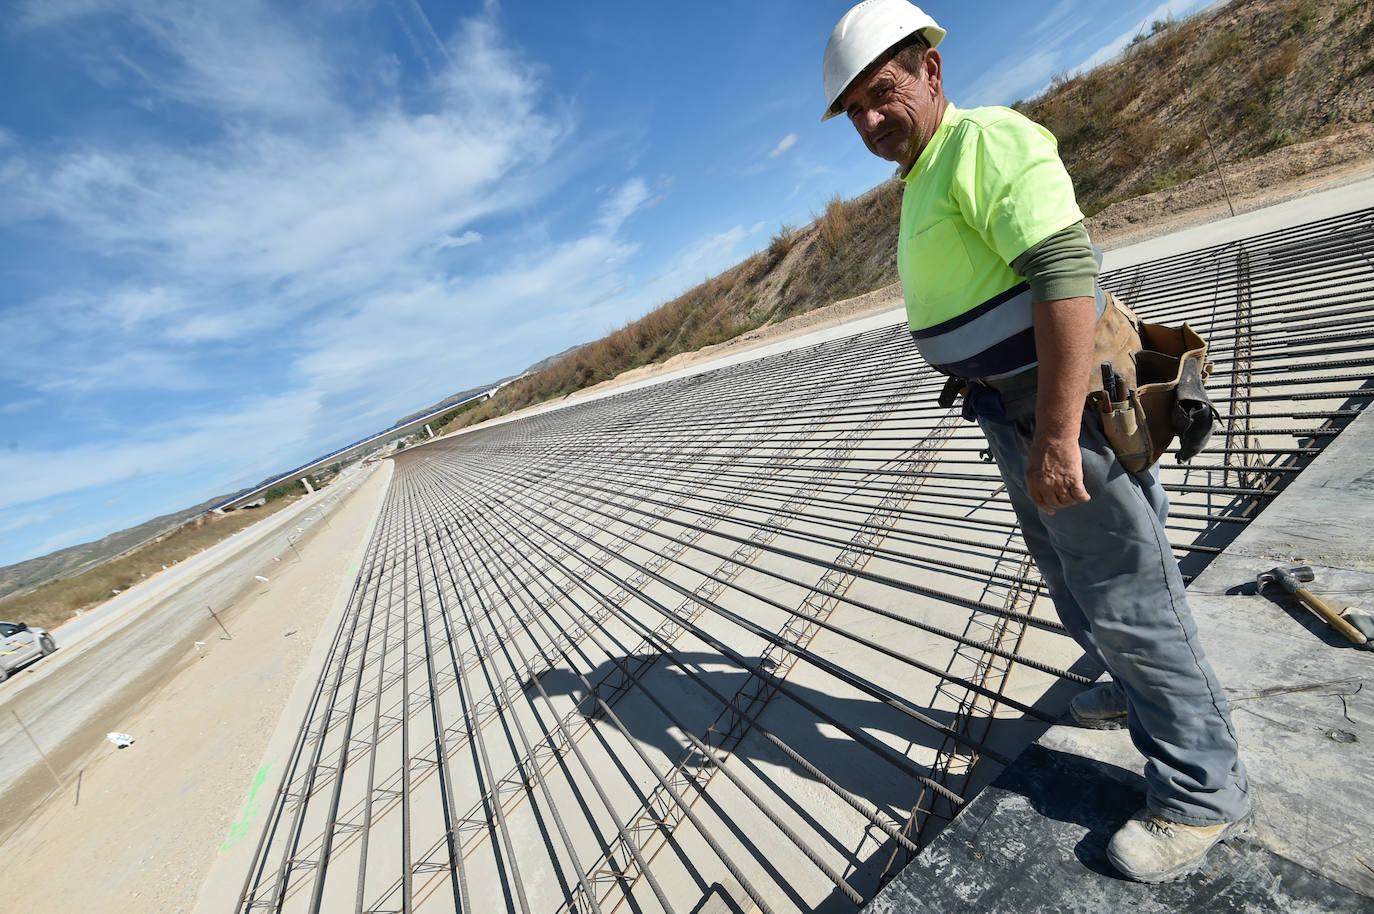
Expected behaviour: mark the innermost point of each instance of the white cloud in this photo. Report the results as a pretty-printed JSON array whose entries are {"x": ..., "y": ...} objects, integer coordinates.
[
  {"x": 241, "y": 58},
  {"x": 277, "y": 198},
  {"x": 38, "y": 13},
  {"x": 701, "y": 261},
  {"x": 136, "y": 307},
  {"x": 784, "y": 144},
  {"x": 300, "y": 254},
  {"x": 630, "y": 197},
  {"x": 1049, "y": 21},
  {"x": 11, "y": 521},
  {"x": 208, "y": 442},
  {"x": 283, "y": 222},
  {"x": 18, "y": 406},
  {"x": 459, "y": 241}
]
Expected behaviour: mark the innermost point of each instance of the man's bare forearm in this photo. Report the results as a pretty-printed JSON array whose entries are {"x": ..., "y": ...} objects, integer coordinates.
[{"x": 1064, "y": 331}]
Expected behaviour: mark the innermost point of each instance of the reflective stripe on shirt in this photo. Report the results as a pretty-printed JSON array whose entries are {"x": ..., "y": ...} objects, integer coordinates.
[{"x": 994, "y": 338}]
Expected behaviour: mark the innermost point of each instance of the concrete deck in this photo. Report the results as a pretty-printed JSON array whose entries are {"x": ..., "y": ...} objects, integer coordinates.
[{"x": 674, "y": 531}]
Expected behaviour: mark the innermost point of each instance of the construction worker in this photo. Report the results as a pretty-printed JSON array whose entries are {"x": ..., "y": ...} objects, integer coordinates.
[{"x": 1000, "y": 281}]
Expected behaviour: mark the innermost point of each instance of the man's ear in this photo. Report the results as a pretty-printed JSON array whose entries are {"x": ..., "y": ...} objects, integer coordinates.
[{"x": 934, "y": 69}]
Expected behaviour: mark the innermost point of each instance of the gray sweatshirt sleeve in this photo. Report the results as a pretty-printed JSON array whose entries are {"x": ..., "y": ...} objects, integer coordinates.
[{"x": 1061, "y": 266}]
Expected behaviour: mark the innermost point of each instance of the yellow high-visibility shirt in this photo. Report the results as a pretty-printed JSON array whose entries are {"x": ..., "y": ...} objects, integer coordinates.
[{"x": 987, "y": 187}]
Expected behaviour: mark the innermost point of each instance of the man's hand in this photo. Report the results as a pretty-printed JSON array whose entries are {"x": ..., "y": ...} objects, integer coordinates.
[
  {"x": 1054, "y": 474},
  {"x": 1064, "y": 345}
]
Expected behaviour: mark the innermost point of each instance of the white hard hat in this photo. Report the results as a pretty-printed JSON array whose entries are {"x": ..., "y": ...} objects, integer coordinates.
[{"x": 866, "y": 33}]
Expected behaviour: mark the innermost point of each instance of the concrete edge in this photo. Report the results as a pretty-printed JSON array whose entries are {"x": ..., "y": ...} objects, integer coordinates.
[{"x": 224, "y": 880}]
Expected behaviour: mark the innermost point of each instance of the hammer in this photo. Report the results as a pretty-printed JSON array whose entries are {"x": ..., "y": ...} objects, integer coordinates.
[{"x": 1292, "y": 577}]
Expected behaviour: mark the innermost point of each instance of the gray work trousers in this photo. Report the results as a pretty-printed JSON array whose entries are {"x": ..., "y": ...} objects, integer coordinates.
[{"x": 1118, "y": 590}]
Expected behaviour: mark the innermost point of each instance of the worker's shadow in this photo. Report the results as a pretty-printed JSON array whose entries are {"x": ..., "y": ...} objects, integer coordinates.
[
  {"x": 685, "y": 686},
  {"x": 1084, "y": 800}
]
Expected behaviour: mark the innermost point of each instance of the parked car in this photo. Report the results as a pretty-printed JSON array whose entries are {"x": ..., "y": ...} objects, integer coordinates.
[{"x": 20, "y": 643}]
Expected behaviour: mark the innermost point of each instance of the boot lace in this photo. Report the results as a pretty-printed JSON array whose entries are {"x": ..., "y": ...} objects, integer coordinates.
[{"x": 1159, "y": 826}]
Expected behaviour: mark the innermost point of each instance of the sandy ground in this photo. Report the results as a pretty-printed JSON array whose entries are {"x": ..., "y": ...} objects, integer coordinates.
[{"x": 150, "y": 820}]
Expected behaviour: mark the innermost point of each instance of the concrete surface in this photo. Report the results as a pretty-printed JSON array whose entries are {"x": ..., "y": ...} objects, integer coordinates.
[
  {"x": 1307, "y": 208},
  {"x": 1301, "y": 703}
]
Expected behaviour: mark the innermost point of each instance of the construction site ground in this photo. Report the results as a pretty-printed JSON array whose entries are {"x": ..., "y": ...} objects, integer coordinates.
[{"x": 140, "y": 829}]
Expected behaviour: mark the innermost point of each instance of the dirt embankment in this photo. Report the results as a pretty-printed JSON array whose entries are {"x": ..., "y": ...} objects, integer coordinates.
[{"x": 1244, "y": 186}]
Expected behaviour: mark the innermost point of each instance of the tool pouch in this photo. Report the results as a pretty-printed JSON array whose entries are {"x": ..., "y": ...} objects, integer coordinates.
[
  {"x": 1128, "y": 432},
  {"x": 1170, "y": 401},
  {"x": 1167, "y": 399}
]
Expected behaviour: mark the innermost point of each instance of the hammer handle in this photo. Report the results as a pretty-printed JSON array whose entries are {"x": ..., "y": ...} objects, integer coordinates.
[{"x": 1318, "y": 606}]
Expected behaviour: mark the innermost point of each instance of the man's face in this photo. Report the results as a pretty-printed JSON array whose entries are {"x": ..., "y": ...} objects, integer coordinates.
[{"x": 897, "y": 112}]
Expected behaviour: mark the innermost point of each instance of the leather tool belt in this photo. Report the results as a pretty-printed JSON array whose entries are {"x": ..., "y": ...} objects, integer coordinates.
[{"x": 1160, "y": 395}]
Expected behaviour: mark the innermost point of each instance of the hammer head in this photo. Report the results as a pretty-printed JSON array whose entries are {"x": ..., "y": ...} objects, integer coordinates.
[{"x": 1289, "y": 576}]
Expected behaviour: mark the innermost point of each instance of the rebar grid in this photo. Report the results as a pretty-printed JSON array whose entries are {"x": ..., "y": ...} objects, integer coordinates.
[{"x": 757, "y": 632}]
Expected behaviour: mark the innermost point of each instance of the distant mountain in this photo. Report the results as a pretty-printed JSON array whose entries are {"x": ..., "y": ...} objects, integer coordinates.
[
  {"x": 455, "y": 398},
  {"x": 552, "y": 360},
  {"x": 444, "y": 402},
  {"x": 26, "y": 575}
]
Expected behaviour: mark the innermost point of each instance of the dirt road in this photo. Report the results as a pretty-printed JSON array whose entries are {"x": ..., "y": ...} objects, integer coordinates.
[{"x": 149, "y": 819}]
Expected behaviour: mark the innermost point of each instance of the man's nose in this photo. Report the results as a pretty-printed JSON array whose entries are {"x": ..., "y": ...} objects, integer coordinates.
[{"x": 867, "y": 119}]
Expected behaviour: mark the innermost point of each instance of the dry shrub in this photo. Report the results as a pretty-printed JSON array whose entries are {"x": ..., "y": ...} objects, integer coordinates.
[
  {"x": 1301, "y": 16},
  {"x": 1222, "y": 47},
  {"x": 1276, "y": 64},
  {"x": 1176, "y": 38},
  {"x": 834, "y": 226},
  {"x": 1135, "y": 141},
  {"x": 1187, "y": 143},
  {"x": 783, "y": 241}
]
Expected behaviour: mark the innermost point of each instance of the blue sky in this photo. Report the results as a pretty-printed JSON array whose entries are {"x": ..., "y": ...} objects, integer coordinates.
[{"x": 236, "y": 235}]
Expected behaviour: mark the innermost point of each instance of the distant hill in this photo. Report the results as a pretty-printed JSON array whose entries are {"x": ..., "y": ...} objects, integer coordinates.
[
  {"x": 444, "y": 402},
  {"x": 533, "y": 369},
  {"x": 26, "y": 575},
  {"x": 551, "y": 360}
]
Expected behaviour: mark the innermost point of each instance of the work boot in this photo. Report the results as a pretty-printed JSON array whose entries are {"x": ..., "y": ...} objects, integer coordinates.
[
  {"x": 1101, "y": 707},
  {"x": 1149, "y": 848}
]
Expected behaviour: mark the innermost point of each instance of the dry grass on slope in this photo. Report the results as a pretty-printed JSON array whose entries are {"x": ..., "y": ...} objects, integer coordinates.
[
  {"x": 1253, "y": 77},
  {"x": 847, "y": 251},
  {"x": 55, "y": 603}
]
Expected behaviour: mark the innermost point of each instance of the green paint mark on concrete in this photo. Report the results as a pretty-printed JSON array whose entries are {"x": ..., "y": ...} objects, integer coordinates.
[{"x": 240, "y": 828}]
